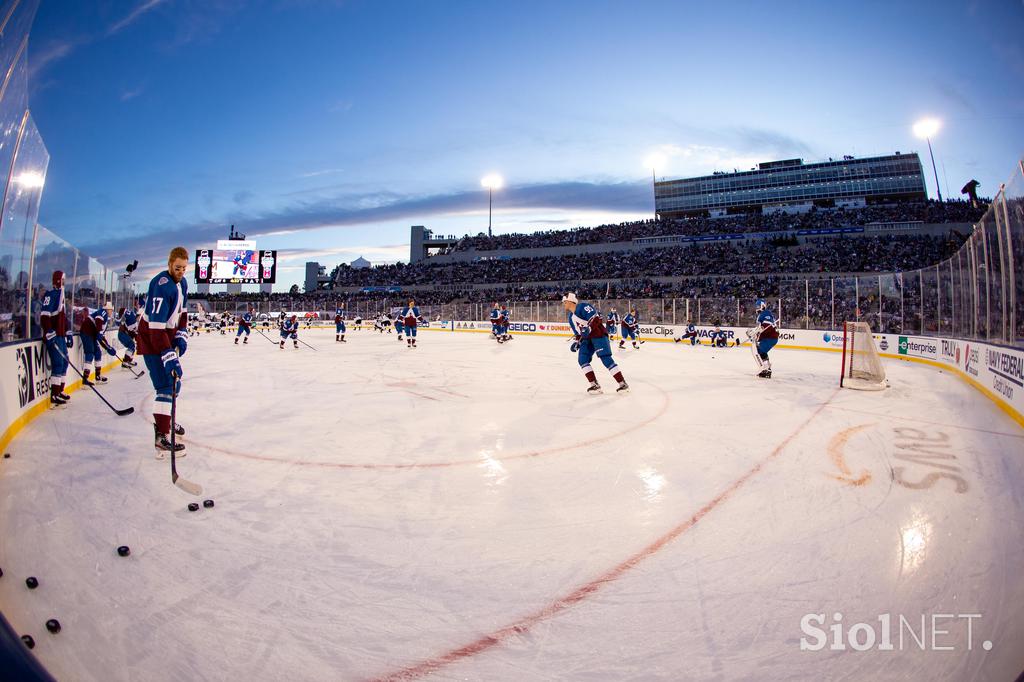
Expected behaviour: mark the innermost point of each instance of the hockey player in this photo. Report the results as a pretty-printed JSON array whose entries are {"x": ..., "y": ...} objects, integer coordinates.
[
  {"x": 94, "y": 342},
  {"x": 719, "y": 339},
  {"x": 240, "y": 262},
  {"x": 763, "y": 337},
  {"x": 591, "y": 338},
  {"x": 127, "y": 331},
  {"x": 290, "y": 329},
  {"x": 59, "y": 338},
  {"x": 630, "y": 325},
  {"x": 503, "y": 323},
  {"x": 400, "y": 326},
  {"x": 339, "y": 325},
  {"x": 411, "y": 316},
  {"x": 244, "y": 326},
  {"x": 612, "y": 320},
  {"x": 163, "y": 339},
  {"x": 495, "y": 322},
  {"x": 690, "y": 333}
]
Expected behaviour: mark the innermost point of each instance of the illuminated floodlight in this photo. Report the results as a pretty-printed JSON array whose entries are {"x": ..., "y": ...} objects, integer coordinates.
[
  {"x": 492, "y": 181},
  {"x": 927, "y": 127}
]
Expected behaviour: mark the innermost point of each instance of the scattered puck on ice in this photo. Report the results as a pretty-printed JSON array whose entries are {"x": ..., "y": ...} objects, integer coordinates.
[
  {"x": 207, "y": 503},
  {"x": 7, "y": 455},
  {"x": 193, "y": 506},
  {"x": 31, "y": 582},
  {"x": 123, "y": 550},
  {"x": 53, "y": 625},
  {"x": 1, "y": 573},
  {"x": 29, "y": 642}
]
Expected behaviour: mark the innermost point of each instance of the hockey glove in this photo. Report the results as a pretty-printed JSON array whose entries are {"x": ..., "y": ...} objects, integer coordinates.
[
  {"x": 171, "y": 364},
  {"x": 50, "y": 336},
  {"x": 181, "y": 342},
  {"x": 107, "y": 347},
  {"x": 574, "y": 347},
  {"x": 71, "y": 340}
]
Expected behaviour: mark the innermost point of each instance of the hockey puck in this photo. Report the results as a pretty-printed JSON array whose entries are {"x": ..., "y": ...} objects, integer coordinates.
[
  {"x": 7, "y": 455},
  {"x": 29, "y": 642},
  {"x": 207, "y": 503},
  {"x": 123, "y": 550},
  {"x": 1, "y": 573},
  {"x": 31, "y": 582},
  {"x": 53, "y": 625},
  {"x": 193, "y": 506}
]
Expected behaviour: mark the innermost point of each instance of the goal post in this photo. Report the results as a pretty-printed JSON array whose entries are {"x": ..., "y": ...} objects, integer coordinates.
[{"x": 862, "y": 366}]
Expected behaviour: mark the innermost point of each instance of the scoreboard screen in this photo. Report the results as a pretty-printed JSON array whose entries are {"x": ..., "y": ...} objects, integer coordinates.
[{"x": 235, "y": 266}]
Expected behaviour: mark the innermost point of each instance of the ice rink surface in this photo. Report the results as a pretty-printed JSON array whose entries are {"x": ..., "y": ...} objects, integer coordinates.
[{"x": 464, "y": 511}]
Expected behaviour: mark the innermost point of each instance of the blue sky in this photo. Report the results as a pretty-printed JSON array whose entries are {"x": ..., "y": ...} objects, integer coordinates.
[{"x": 326, "y": 128}]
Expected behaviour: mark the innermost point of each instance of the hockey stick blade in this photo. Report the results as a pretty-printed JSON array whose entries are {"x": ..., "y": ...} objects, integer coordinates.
[{"x": 186, "y": 485}]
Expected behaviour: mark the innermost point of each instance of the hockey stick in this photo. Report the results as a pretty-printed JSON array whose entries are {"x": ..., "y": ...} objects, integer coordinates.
[
  {"x": 119, "y": 413},
  {"x": 129, "y": 368},
  {"x": 304, "y": 343},
  {"x": 753, "y": 347},
  {"x": 266, "y": 337},
  {"x": 186, "y": 485}
]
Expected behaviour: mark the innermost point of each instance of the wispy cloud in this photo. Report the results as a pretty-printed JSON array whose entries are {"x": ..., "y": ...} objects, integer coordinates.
[
  {"x": 132, "y": 94},
  {"x": 372, "y": 209},
  {"x": 326, "y": 171},
  {"x": 134, "y": 15}
]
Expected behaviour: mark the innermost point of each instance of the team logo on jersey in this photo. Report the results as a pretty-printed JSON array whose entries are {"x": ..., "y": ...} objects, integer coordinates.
[{"x": 162, "y": 280}]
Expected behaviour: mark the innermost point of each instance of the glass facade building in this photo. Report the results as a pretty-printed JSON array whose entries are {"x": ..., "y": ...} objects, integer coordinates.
[{"x": 898, "y": 177}]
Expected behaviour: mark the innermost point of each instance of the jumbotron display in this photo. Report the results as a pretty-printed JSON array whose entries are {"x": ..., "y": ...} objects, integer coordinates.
[{"x": 239, "y": 263}]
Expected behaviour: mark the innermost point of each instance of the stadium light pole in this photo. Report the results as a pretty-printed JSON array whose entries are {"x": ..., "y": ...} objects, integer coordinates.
[
  {"x": 654, "y": 162},
  {"x": 925, "y": 128},
  {"x": 491, "y": 182}
]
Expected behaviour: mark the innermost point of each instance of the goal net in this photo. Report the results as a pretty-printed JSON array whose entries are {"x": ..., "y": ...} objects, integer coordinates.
[{"x": 862, "y": 366}]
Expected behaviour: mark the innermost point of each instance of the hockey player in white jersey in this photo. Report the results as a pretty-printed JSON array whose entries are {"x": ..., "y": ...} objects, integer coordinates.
[{"x": 591, "y": 339}]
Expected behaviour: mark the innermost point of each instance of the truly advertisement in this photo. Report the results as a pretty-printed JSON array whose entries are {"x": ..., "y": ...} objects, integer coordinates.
[{"x": 950, "y": 351}]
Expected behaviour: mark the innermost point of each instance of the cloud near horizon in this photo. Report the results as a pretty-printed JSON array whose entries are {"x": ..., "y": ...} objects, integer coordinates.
[{"x": 152, "y": 247}]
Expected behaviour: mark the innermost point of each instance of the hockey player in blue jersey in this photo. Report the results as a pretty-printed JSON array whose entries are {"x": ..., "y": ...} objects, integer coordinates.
[
  {"x": 690, "y": 333},
  {"x": 244, "y": 326},
  {"x": 495, "y": 322},
  {"x": 591, "y": 339},
  {"x": 630, "y": 326},
  {"x": 503, "y": 324},
  {"x": 411, "y": 317},
  {"x": 163, "y": 340},
  {"x": 339, "y": 326},
  {"x": 612, "y": 319},
  {"x": 290, "y": 330},
  {"x": 719, "y": 339},
  {"x": 59, "y": 337},
  {"x": 763, "y": 337},
  {"x": 400, "y": 326},
  {"x": 94, "y": 343},
  {"x": 240, "y": 262},
  {"x": 127, "y": 331}
]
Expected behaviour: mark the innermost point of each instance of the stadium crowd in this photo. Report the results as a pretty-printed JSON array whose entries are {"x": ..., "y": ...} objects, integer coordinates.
[
  {"x": 832, "y": 254},
  {"x": 926, "y": 212}
]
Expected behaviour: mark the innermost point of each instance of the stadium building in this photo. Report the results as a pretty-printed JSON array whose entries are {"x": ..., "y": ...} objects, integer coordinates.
[{"x": 794, "y": 187}]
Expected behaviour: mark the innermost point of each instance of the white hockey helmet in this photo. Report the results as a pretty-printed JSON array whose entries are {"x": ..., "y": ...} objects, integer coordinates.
[{"x": 570, "y": 297}]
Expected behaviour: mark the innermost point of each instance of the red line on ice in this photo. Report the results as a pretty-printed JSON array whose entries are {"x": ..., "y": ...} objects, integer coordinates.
[{"x": 580, "y": 593}]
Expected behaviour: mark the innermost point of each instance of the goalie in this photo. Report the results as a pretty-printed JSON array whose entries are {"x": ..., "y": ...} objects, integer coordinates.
[{"x": 763, "y": 338}]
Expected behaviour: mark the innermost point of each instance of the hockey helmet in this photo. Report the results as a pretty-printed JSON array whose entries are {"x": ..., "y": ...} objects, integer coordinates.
[
  {"x": 570, "y": 298},
  {"x": 760, "y": 304}
]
